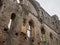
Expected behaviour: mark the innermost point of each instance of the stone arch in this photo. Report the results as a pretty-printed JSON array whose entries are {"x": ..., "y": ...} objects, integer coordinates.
[
  {"x": 43, "y": 35},
  {"x": 31, "y": 23},
  {"x": 30, "y": 28},
  {"x": 31, "y": 31},
  {"x": 42, "y": 30},
  {"x": 13, "y": 15}
]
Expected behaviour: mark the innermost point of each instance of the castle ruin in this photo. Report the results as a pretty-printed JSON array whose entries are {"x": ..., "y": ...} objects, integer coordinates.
[{"x": 25, "y": 22}]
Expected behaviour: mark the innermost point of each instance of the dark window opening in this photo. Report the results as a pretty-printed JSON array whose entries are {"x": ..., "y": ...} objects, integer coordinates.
[
  {"x": 1, "y": 3},
  {"x": 13, "y": 15},
  {"x": 42, "y": 13},
  {"x": 31, "y": 23},
  {"x": 25, "y": 38},
  {"x": 51, "y": 36},
  {"x": 40, "y": 20},
  {"x": 16, "y": 34},
  {"x": 42, "y": 30},
  {"x": 5, "y": 29},
  {"x": 32, "y": 40},
  {"x": 3, "y": 41}
]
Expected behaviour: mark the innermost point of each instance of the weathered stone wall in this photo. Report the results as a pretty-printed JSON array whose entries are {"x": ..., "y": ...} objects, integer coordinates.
[{"x": 25, "y": 16}]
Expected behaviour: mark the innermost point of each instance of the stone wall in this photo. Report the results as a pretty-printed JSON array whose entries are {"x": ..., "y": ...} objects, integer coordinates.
[{"x": 26, "y": 16}]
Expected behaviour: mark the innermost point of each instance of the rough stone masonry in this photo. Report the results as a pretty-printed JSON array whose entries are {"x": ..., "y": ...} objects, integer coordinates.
[{"x": 25, "y": 22}]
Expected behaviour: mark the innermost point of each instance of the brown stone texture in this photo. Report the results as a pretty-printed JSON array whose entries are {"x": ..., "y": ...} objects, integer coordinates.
[{"x": 26, "y": 16}]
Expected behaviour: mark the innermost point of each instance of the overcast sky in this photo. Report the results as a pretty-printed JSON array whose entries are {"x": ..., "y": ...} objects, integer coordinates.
[{"x": 51, "y": 6}]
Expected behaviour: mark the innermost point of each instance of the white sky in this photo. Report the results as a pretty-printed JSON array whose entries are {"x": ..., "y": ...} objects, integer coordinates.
[{"x": 51, "y": 6}]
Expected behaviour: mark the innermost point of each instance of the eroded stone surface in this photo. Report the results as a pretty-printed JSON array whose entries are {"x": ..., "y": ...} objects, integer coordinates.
[{"x": 27, "y": 15}]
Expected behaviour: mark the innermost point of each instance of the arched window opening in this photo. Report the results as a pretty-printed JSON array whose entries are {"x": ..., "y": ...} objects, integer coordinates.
[
  {"x": 30, "y": 32},
  {"x": 31, "y": 25},
  {"x": 13, "y": 15},
  {"x": 51, "y": 36},
  {"x": 42, "y": 30},
  {"x": 43, "y": 37}
]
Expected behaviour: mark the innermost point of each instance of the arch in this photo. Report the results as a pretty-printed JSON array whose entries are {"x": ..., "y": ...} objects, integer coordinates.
[
  {"x": 42, "y": 30},
  {"x": 43, "y": 35},
  {"x": 30, "y": 28},
  {"x": 13, "y": 15},
  {"x": 31, "y": 23}
]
